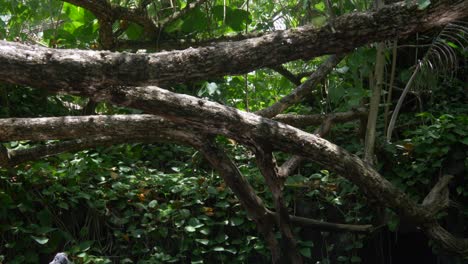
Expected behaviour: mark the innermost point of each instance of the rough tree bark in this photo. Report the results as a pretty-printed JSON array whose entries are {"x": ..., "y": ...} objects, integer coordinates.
[
  {"x": 248, "y": 128},
  {"x": 101, "y": 69},
  {"x": 121, "y": 78},
  {"x": 102, "y": 130}
]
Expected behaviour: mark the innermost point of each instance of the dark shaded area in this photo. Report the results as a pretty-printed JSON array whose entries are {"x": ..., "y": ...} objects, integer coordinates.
[{"x": 401, "y": 247}]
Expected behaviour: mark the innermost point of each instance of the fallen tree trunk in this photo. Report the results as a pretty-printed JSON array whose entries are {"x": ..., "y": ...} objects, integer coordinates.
[
  {"x": 208, "y": 117},
  {"x": 106, "y": 76},
  {"x": 67, "y": 69}
]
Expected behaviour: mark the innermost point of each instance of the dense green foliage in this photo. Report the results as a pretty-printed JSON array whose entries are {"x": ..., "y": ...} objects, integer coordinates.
[{"x": 162, "y": 203}]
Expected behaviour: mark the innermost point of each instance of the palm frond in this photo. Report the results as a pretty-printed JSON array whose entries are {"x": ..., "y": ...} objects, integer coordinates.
[{"x": 440, "y": 61}]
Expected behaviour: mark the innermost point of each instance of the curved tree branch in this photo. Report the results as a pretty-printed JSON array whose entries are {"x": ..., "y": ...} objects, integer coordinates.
[
  {"x": 302, "y": 90},
  {"x": 104, "y": 76},
  {"x": 213, "y": 118},
  {"x": 302, "y": 121},
  {"x": 218, "y": 119},
  {"x": 267, "y": 165},
  {"x": 99, "y": 69},
  {"x": 287, "y": 74},
  {"x": 129, "y": 126},
  {"x": 19, "y": 156}
]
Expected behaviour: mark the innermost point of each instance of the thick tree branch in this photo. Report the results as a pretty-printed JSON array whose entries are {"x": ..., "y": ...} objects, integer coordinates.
[
  {"x": 66, "y": 127},
  {"x": 302, "y": 121},
  {"x": 15, "y": 157},
  {"x": 179, "y": 44},
  {"x": 70, "y": 127},
  {"x": 294, "y": 162},
  {"x": 67, "y": 69},
  {"x": 244, "y": 192},
  {"x": 287, "y": 74},
  {"x": 446, "y": 240},
  {"x": 267, "y": 165},
  {"x": 242, "y": 126},
  {"x": 302, "y": 90},
  {"x": 214, "y": 118},
  {"x": 103, "y": 76},
  {"x": 325, "y": 226},
  {"x": 438, "y": 198},
  {"x": 218, "y": 119},
  {"x": 233, "y": 178},
  {"x": 289, "y": 166}
]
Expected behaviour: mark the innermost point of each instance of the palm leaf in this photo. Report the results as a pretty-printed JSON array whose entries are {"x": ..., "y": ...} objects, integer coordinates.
[{"x": 440, "y": 60}]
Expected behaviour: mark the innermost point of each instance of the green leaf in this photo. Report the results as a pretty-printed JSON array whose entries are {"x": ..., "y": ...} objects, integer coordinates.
[
  {"x": 306, "y": 252},
  {"x": 423, "y": 4},
  {"x": 222, "y": 204},
  {"x": 203, "y": 241},
  {"x": 184, "y": 213},
  {"x": 85, "y": 245},
  {"x": 451, "y": 44},
  {"x": 75, "y": 13},
  {"x": 44, "y": 217},
  {"x": 205, "y": 231},
  {"x": 319, "y": 21},
  {"x": 190, "y": 229},
  {"x": 320, "y": 6},
  {"x": 237, "y": 19},
  {"x": 236, "y": 221},
  {"x": 134, "y": 31},
  {"x": 465, "y": 141},
  {"x": 45, "y": 229},
  {"x": 393, "y": 224},
  {"x": 230, "y": 250},
  {"x": 195, "y": 21},
  {"x": 63, "y": 205},
  {"x": 221, "y": 238},
  {"x": 153, "y": 204},
  {"x": 40, "y": 240},
  {"x": 342, "y": 258},
  {"x": 5, "y": 199},
  {"x": 218, "y": 249},
  {"x": 355, "y": 259}
]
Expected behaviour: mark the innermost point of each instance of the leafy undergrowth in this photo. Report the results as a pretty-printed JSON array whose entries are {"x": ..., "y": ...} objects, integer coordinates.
[
  {"x": 162, "y": 204},
  {"x": 91, "y": 207}
]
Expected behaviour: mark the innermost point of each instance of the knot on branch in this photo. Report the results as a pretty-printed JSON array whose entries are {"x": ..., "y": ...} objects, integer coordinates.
[{"x": 438, "y": 197}]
